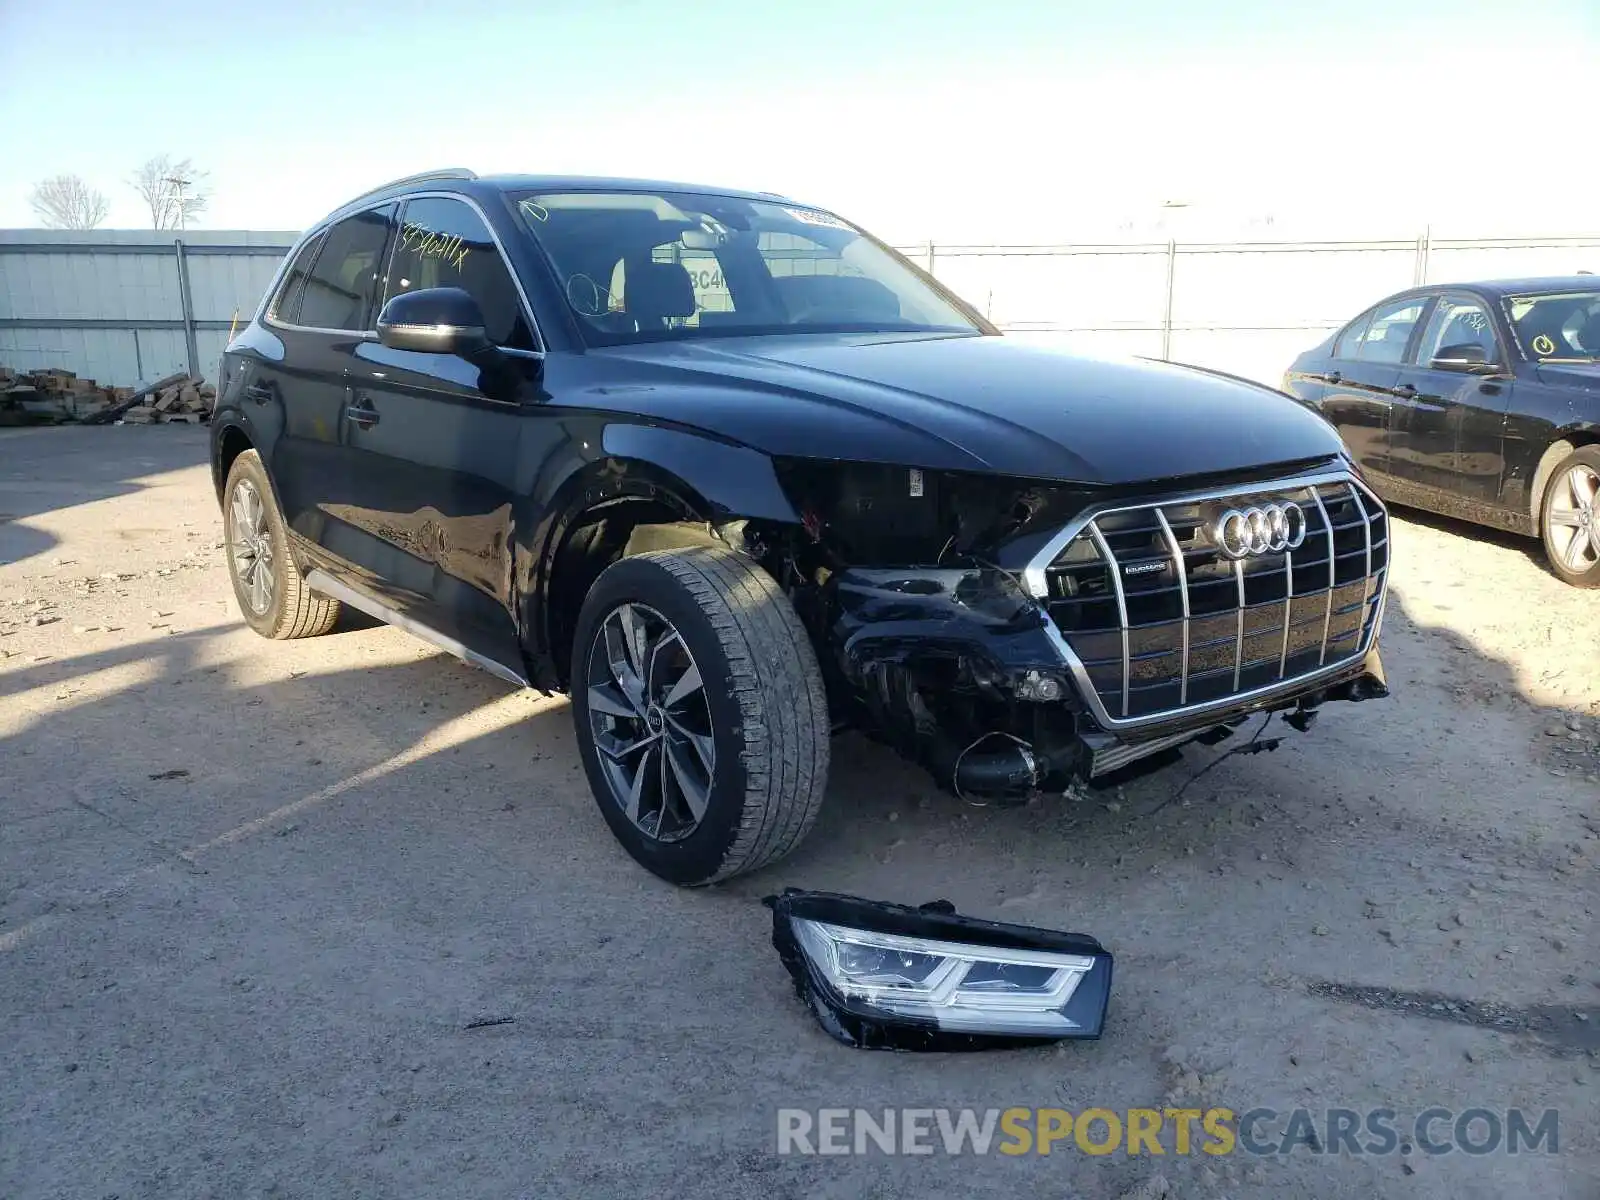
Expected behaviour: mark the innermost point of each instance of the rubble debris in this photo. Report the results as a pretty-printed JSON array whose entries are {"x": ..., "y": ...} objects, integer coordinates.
[{"x": 53, "y": 396}]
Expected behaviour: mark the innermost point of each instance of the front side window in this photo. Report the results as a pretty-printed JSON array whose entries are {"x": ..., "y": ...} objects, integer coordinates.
[
  {"x": 1386, "y": 338},
  {"x": 286, "y": 304},
  {"x": 638, "y": 266},
  {"x": 444, "y": 243},
  {"x": 1558, "y": 327},
  {"x": 339, "y": 291},
  {"x": 1458, "y": 321}
]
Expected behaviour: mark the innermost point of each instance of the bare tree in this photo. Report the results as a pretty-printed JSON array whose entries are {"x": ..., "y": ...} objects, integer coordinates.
[
  {"x": 176, "y": 192},
  {"x": 67, "y": 202}
]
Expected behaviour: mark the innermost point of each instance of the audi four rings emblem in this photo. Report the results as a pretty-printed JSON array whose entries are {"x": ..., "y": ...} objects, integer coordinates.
[{"x": 1266, "y": 529}]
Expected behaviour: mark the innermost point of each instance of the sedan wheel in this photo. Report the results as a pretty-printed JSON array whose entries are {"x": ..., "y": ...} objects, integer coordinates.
[
  {"x": 1572, "y": 518},
  {"x": 651, "y": 722}
]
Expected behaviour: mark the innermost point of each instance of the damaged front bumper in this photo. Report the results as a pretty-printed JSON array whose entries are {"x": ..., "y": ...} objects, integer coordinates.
[{"x": 963, "y": 671}]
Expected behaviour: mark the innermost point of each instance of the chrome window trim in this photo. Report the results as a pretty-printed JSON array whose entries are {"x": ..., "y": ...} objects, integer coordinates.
[
  {"x": 369, "y": 335},
  {"x": 540, "y": 346},
  {"x": 264, "y": 314},
  {"x": 1035, "y": 582}
]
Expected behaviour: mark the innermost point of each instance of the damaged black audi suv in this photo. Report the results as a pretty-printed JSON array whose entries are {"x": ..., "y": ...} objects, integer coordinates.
[{"x": 737, "y": 476}]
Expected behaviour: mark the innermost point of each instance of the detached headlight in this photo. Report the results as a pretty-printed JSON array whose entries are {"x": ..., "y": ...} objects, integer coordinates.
[{"x": 888, "y": 976}]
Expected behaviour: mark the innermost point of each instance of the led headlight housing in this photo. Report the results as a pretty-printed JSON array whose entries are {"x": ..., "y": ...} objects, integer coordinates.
[{"x": 886, "y": 976}]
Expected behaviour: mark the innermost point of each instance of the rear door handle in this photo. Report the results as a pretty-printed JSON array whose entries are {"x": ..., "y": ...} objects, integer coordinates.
[
  {"x": 259, "y": 392},
  {"x": 364, "y": 416},
  {"x": 1333, "y": 377},
  {"x": 1405, "y": 391}
]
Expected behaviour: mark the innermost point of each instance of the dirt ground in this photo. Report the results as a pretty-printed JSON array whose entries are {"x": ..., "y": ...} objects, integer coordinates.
[{"x": 254, "y": 897}]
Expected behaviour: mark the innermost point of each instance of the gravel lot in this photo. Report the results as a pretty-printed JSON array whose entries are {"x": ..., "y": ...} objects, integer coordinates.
[{"x": 252, "y": 895}]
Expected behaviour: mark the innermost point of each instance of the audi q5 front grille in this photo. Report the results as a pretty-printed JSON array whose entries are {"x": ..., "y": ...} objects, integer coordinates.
[{"x": 1161, "y": 619}]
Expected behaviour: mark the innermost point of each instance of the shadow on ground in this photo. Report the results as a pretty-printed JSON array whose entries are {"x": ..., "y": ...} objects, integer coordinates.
[{"x": 46, "y": 469}]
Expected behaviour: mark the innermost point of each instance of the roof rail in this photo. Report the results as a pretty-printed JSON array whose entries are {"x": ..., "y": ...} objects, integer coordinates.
[{"x": 419, "y": 177}]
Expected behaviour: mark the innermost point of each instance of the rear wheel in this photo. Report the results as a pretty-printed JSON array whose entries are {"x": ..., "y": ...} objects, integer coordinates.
[
  {"x": 1571, "y": 524},
  {"x": 272, "y": 594},
  {"x": 700, "y": 713}
]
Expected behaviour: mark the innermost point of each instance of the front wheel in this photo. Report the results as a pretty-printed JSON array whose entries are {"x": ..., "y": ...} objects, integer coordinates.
[
  {"x": 1571, "y": 524},
  {"x": 700, "y": 713}
]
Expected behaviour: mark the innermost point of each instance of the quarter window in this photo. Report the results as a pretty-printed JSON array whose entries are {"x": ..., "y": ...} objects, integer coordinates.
[
  {"x": 286, "y": 304},
  {"x": 1458, "y": 321},
  {"x": 1386, "y": 338},
  {"x": 444, "y": 243},
  {"x": 1349, "y": 343},
  {"x": 338, "y": 292}
]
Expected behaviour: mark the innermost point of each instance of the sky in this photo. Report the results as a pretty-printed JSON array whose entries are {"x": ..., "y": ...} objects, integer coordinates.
[{"x": 976, "y": 122}]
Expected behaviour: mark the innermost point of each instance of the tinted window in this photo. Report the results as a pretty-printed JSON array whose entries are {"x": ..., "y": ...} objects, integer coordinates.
[
  {"x": 444, "y": 243},
  {"x": 1386, "y": 338},
  {"x": 639, "y": 266},
  {"x": 1349, "y": 343},
  {"x": 1458, "y": 321},
  {"x": 339, "y": 291},
  {"x": 1564, "y": 325},
  {"x": 286, "y": 303}
]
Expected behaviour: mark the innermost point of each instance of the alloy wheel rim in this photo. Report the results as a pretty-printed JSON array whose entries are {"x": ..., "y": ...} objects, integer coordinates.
[
  {"x": 250, "y": 546},
  {"x": 650, "y": 721},
  {"x": 1574, "y": 519}
]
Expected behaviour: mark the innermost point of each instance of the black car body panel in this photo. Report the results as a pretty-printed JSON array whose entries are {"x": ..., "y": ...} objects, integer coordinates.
[
  {"x": 1477, "y": 444},
  {"x": 970, "y": 403},
  {"x": 908, "y": 487}
]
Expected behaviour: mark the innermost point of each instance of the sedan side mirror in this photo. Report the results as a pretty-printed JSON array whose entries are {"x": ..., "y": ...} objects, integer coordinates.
[
  {"x": 1468, "y": 356},
  {"x": 443, "y": 320}
]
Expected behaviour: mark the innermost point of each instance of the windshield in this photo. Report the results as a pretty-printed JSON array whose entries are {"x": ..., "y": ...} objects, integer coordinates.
[
  {"x": 639, "y": 267},
  {"x": 1563, "y": 326}
]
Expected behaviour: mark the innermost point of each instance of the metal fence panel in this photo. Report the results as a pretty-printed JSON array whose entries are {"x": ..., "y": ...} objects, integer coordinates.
[
  {"x": 111, "y": 304},
  {"x": 124, "y": 306}
]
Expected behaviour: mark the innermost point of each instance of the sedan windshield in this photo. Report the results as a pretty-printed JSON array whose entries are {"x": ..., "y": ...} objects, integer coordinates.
[
  {"x": 638, "y": 267},
  {"x": 1558, "y": 326}
]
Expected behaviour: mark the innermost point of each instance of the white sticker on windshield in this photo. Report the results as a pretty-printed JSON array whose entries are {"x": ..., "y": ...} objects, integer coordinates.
[{"x": 808, "y": 216}]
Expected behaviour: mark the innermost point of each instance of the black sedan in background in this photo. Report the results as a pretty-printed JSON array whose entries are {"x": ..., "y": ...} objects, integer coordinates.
[{"x": 1476, "y": 400}]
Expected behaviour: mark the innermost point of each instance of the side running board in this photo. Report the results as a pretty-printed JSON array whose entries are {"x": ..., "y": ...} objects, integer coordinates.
[{"x": 319, "y": 580}]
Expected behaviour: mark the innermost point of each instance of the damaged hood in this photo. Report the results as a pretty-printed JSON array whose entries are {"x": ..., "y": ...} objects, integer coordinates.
[{"x": 966, "y": 404}]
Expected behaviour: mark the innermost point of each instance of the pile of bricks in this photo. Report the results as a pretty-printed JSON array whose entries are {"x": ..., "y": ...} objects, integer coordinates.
[{"x": 55, "y": 396}]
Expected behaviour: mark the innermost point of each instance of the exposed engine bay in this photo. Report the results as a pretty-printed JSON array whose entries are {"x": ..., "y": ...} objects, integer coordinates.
[{"x": 912, "y": 586}]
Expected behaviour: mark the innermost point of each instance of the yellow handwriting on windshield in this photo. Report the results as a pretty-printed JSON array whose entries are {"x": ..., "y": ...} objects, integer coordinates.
[{"x": 425, "y": 243}]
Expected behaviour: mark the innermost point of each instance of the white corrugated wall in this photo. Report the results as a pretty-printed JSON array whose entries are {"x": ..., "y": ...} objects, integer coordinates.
[{"x": 108, "y": 305}]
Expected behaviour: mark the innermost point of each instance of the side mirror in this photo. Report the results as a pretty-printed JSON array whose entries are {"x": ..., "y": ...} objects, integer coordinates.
[
  {"x": 444, "y": 320},
  {"x": 1468, "y": 356}
]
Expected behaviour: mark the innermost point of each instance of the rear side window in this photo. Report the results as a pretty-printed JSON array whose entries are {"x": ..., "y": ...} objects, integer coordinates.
[
  {"x": 286, "y": 304},
  {"x": 339, "y": 290},
  {"x": 444, "y": 243}
]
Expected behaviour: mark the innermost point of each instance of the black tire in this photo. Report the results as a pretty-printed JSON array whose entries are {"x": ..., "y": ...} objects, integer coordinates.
[
  {"x": 291, "y": 610},
  {"x": 1568, "y": 531},
  {"x": 767, "y": 710}
]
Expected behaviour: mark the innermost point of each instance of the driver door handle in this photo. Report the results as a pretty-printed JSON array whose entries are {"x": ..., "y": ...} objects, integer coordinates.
[
  {"x": 1334, "y": 377},
  {"x": 1405, "y": 391},
  {"x": 363, "y": 415}
]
